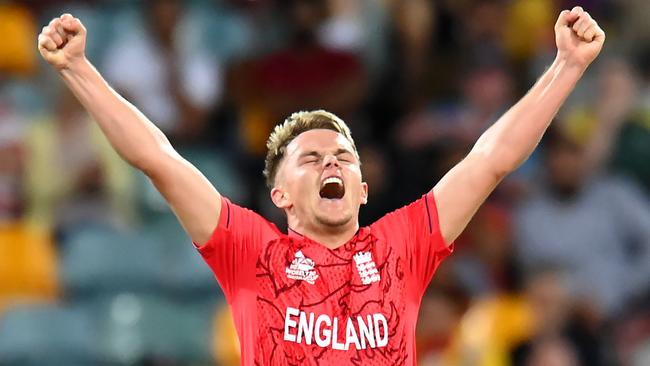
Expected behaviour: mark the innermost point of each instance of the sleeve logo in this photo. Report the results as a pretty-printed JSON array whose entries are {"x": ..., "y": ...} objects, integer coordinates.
[{"x": 302, "y": 268}]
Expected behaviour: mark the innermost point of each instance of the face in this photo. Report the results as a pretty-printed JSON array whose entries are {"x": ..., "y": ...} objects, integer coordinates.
[
  {"x": 550, "y": 302},
  {"x": 565, "y": 164},
  {"x": 489, "y": 89},
  {"x": 318, "y": 182}
]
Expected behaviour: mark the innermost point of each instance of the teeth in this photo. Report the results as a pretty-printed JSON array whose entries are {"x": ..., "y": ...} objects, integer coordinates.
[{"x": 333, "y": 180}]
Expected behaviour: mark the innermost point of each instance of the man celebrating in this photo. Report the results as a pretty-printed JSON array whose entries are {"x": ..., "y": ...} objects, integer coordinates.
[{"x": 327, "y": 291}]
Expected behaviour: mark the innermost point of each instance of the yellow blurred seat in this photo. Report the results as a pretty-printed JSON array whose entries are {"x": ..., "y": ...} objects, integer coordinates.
[
  {"x": 18, "y": 27},
  {"x": 225, "y": 344},
  {"x": 528, "y": 24},
  {"x": 28, "y": 265},
  {"x": 490, "y": 329}
]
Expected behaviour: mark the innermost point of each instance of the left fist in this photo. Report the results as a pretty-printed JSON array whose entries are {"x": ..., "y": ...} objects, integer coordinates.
[{"x": 578, "y": 37}]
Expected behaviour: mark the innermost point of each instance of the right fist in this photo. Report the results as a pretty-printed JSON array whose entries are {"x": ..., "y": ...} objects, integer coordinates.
[{"x": 63, "y": 41}]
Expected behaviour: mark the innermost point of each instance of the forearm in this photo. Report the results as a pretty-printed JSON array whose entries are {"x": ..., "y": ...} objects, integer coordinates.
[
  {"x": 130, "y": 133},
  {"x": 511, "y": 140}
]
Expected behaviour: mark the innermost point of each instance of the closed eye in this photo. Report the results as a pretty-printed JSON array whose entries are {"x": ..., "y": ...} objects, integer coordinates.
[
  {"x": 310, "y": 157},
  {"x": 345, "y": 157}
]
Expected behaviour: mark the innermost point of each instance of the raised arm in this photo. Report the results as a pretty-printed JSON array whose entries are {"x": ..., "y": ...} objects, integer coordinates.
[
  {"x": 509, "y": 141},
  {"x": 193, "y": 199}
]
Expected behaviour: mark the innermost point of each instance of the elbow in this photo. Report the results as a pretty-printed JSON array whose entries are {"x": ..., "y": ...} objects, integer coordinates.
[
  {"x": 498, "y": 162},
  {"x": 150, "y": 161},
  {"x": 142, "y": 162},
  {"x": 506, "y": 166},
  {"x": 499, "y": 153},
  {"x": 151, "y": 156}
]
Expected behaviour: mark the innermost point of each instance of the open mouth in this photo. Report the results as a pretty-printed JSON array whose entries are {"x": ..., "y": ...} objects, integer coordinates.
[{"x": 332, "y": 188}]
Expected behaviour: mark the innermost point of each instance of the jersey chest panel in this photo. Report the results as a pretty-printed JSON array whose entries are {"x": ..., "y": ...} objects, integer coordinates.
[{"x": 317, "y": 306}]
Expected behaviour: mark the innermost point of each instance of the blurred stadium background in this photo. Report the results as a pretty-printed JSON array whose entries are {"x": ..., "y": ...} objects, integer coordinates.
[{"x": 554, "y": 269}]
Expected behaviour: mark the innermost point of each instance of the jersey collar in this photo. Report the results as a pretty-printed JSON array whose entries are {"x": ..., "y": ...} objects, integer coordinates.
[{"x": 359, "y": 235}]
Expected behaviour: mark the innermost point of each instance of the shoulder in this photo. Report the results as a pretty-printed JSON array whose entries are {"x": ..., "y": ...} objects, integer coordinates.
[
  {"x": 412, "y": 216},
  {"x": 247, "y": 221}
]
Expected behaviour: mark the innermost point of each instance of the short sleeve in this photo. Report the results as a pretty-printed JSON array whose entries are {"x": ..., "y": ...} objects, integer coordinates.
[
  {"x": 415, "y": 230},
  {"x": 233, "y": 248}
]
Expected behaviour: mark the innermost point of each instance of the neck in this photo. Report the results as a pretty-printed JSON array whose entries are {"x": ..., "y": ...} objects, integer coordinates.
[{"x": 330, "y": 237}]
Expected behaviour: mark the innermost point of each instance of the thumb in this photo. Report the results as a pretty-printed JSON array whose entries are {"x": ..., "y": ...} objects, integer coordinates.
[{"x": 566, "y": 18}]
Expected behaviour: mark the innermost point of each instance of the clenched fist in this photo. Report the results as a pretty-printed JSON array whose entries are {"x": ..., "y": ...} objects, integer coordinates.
[
  {"x": 63, "y": 41},
  {"x": 578, "y": 37}
]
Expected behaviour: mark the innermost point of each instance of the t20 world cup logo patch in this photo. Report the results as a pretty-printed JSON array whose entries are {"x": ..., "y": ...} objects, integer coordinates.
[{"x": 302, "y": 268}]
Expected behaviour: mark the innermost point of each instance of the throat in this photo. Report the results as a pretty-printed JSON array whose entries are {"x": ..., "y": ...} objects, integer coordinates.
[{"x": 330, "y": 237}]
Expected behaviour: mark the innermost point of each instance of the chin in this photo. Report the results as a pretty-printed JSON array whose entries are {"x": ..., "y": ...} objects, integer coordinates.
[{"x": 334, "y": 221}]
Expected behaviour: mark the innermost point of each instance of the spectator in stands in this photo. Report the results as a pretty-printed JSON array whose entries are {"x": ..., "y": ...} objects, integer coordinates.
[
  {"x": 595, "y": 226},
  {"x": 177, "y": 87},
  {"x": 632, "y": 148},
  {"x": 433, "y": 137},
  {"x": 440, "y": 312},
  {"x": 484, "y": 263},
  {"x": 12, "y": 126},
  {"x": 407, "y": 75},
  {"x": 302, "y": 75},
  {"x": 486, "y": 92},
  {"x": 72, "y": 176},
  {"x": 559, "y": 337}
]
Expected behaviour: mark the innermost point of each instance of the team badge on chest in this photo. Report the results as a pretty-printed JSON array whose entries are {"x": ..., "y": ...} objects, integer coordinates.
[{"x": 366, "y": 268}]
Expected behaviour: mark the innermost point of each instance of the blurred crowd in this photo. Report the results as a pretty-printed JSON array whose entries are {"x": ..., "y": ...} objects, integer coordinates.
[{"x": 554, "y": 270}]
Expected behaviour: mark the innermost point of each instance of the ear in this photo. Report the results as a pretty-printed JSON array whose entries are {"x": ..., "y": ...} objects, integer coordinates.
[
  {"x": 280, "y": 198},
  {"x": 364, "y": 193}
]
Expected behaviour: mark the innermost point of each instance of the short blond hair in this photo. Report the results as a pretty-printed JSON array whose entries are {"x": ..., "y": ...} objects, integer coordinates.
[{"x": 293, "y": 126}]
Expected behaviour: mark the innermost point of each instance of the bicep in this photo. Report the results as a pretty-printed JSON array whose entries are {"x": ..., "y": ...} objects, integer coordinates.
[
  {"x": 461, "y": 192},
  {"x": 192, "y": 198}
]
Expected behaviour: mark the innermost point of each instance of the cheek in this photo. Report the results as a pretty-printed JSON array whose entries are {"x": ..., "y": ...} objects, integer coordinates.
[
  {"x": 355, "y": 181},
  {"x": 299, "y": 182}
]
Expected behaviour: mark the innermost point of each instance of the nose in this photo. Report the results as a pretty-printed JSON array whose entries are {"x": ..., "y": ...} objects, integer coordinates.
[{"x": 331, "y": 161}]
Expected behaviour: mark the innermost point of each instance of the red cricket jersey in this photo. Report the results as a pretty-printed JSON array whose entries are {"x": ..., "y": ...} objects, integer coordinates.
[{"x": 297, "y": 302}]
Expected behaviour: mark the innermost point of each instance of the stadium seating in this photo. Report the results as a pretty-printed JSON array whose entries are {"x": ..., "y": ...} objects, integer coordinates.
[
  {"x": 148, "y": 327},
  {"x": 185, "y": 274},
  {"x": 47, "y": 335},
  {"x": 28, "y": 265},
  {"x": 98, "y": 261},
  {"x": 123, "y": 329}
]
